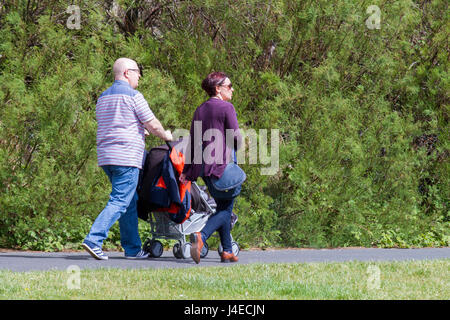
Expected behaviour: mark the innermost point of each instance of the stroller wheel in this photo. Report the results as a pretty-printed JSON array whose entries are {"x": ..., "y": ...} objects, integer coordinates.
[
  {"x": 177, "y": 251},
  {"x": 236, "y": 248},
  {"x": 186, "y": 250},
  {"x": 146, "y": 246},
  {"x": 154, "y": 248},
  {"x": 205, "y": 251}
]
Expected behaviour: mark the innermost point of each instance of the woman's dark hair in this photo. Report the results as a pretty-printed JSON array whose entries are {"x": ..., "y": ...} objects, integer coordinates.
[{"x": 212, "y": 81}]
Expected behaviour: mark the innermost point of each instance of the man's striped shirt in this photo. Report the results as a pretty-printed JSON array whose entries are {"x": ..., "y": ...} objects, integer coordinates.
[{"x": 121, "y": 112}]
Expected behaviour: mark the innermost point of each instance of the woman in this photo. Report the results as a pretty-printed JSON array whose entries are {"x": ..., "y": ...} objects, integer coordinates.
[{"x": 216, "y": 117}]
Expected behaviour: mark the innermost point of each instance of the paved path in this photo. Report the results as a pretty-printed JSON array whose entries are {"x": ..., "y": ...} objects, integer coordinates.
[{"x": 29, "y": 261}]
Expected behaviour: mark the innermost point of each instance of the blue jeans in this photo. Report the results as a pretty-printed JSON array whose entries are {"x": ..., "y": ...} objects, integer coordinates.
[
  {"x": 122, "y": 206},
  {"x": 221, "y": 222}
]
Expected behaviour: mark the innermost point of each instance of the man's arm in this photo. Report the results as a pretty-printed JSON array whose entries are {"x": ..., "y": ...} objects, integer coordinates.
[{"x": 155, "y": 127}]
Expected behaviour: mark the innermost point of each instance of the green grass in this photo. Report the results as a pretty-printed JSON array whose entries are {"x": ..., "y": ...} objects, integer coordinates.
[{"x": 349, "y": 280}]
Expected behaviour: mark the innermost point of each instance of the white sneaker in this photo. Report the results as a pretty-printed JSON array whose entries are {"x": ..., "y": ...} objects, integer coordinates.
[
  {"x": 140, "y": 255},
  {"x": 96, "y": 252}
]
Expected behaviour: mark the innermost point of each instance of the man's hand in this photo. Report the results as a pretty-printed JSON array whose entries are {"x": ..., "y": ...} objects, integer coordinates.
[
  {"x": 154, "y": 127},
  {"x": 168, "y": 135}
]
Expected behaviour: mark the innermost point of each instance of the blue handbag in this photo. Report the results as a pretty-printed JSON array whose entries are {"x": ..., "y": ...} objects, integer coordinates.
[{"x": 228, "y": 186}]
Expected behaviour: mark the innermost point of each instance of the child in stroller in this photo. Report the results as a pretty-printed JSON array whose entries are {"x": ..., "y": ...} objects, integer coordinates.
[{"x": 173, "y": 211}]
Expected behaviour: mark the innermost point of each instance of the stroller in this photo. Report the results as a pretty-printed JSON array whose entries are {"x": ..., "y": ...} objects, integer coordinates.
[{"x": 174, "y": 211}]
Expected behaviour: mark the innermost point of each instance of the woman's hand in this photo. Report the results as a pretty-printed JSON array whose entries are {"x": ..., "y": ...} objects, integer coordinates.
[{"x": 183, "y": 178}]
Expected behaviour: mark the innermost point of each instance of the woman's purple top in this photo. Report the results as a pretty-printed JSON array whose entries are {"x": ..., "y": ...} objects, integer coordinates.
[{"x": 213, "y": 121}]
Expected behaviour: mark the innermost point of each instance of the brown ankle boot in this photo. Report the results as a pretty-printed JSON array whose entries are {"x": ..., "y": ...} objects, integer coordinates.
[
  {"x": 197, "y": 245},
  {"x": 228, "y": 257}
]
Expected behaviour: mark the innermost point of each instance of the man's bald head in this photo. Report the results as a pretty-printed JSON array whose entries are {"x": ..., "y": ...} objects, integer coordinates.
[
  {"x": 120, "y": 68},
  {"x": 123, "y": 64}
]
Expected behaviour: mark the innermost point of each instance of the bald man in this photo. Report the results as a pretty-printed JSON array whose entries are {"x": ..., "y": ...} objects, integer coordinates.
[{"x": 122, "y": 115}]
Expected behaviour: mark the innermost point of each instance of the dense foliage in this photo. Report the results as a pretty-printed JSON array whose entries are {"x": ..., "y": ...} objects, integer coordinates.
[{"x": 362, "y": 112}]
